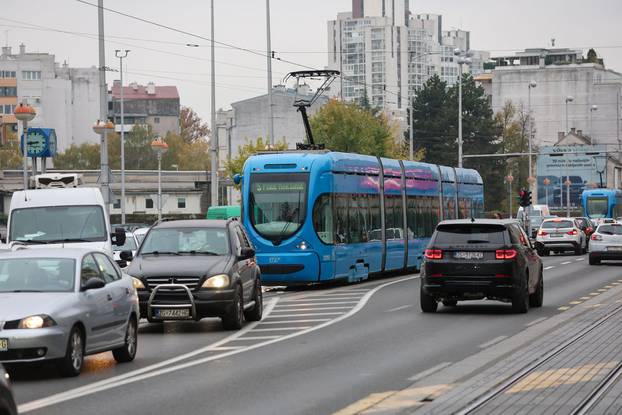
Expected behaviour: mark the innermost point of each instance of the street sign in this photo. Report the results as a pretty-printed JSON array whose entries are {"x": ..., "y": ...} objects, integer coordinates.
[{"x": 41, "y": 142}]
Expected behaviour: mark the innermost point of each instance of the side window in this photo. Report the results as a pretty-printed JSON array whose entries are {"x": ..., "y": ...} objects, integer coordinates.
[
  {"x": 323, "y": 218},
  {"x": 108, "y": 270},
  {"x": 243, "y": 241},
  {"x": 89, "y": 269}
]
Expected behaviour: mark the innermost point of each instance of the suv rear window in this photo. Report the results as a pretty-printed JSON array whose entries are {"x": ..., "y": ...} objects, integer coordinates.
[
  {"x": 461, "y": 234},
  {"x": 557, "y": 224},
  {"x": 610, "y": 229}
]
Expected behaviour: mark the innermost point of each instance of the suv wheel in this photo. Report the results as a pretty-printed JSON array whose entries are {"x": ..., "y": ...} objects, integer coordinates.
[
  {"x": 234, "y": 319},
  {"x": 537, "y": 298},
  {"x": 428, "y": 303},
  {"x": 520, "y": 297},
  {"x": 71, "y": 364},
  {"x": 127, "y": 352},
  {"x": 255, "y": 313}
]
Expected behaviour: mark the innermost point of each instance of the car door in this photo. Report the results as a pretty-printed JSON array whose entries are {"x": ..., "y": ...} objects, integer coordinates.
[
  {"x": 121, "y": 296},
  {"x": 245, "y": 265},
  {"x": 98, "y": 305}
]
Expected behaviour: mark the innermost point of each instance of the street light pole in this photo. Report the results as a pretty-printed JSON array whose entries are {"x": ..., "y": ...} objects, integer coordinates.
[
  {"x": 532, "y": 84},
  {"x": 568, "y": 99},
  {"x": 121, "y": 55},
  {"x": 410, "y": 133},
  {"x": 509, "y": 179},
  {"x": 160, "y": 147},
  {"x": 463, "y": 57},
  {"x": 269, "y": 57},
  {"x": 214, "y": 139},
  {"x": 102, "y": 128},
  {"x": 25, "y": 113},
  {"x": 592, "y": 109}
]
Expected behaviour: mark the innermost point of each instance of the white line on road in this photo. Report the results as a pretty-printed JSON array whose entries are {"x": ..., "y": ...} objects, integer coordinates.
[
  {"x": 567, "y": 262},
  {"x": 311, "y": 320},
  {"x": 428, "y": 372},
  {"x": 283, "y": 329},
  {"x": 399, "y": 308},
  {"x": 308, "y": 314},
  {"x": 288, "y": 310},
  {"x": 313, "y": 304},
  {"x": 550, "y": 267},
  {"x": 579, "y": 259},
  {"x": 493, "y": 341},
  {"x": 322, "y": 299},
  {"x": 225, "y": 348},
  {"x": 536, "y": 321},
  {"x": 257, "y": 338},
  {"x": 140, "y": 374}
]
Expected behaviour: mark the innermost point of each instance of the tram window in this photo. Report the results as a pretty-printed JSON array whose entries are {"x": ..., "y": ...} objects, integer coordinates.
[
  {"x": 398, "y": 214},
  {"x": 375, "y": 228},
  {"x": 411, "y": 214},
  {"x": 354, "y": 227},
  {"x": 323, "y": 218},
  {"x": 341, "y": 218},
  {"x": 388, "y": 215}
]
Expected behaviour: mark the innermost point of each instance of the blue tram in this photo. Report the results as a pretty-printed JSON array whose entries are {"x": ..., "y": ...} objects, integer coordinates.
[
  {"x": 318, "y": 216},
  {"x": 602, "y": 203}
]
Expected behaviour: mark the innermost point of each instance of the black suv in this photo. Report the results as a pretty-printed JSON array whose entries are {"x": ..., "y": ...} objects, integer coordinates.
[
  {"x": 191, "y": 269},
  {"x": 476, "y": 259}
]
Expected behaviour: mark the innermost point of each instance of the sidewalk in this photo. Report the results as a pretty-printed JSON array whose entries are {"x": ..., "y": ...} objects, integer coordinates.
[{"x": 558, "y": 385}]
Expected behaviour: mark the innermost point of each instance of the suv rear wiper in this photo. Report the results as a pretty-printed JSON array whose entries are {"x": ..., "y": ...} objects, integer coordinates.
[
  {"x": 193, "y": 252},
  {"x": 160, "y": 253},
  {"x": 477, "y": 241}
]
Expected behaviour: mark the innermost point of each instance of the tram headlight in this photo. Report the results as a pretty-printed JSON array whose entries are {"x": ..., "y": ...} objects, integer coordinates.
[{"x": 303, "y": 246}]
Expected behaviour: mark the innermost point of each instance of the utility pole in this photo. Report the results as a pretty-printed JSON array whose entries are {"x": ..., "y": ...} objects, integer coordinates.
[
  {"x": 410, "y": 133},
  {"x": 214, "y": 140},
  {"x": 122, "y": 55},
  {"x": 103, "y": 109},
  {"x": 269, "y": 56}
]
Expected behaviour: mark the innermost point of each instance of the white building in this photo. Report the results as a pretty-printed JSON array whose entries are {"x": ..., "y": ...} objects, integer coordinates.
[
  {"x": 66, "y": 99},
  {"x": 588, "y": 93}
]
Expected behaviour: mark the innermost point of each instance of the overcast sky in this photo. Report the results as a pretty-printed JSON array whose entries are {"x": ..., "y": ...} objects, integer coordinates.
[{"x": 298, "y": 34}]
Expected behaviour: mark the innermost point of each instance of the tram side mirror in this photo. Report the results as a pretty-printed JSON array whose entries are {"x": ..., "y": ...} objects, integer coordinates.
[{"x": 237, "y": 179}]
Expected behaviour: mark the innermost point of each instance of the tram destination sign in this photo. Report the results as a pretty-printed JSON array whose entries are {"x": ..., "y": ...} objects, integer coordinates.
[{"x": 287, "y": 187}]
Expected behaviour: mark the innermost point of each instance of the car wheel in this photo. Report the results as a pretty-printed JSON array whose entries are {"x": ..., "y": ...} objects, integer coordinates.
[
  {"x": 71, "y": 364},
  {"x": 428, "y": 303},
  {"x": 234, "y": 319},
  {"x": 520, "y": 297},
  {"x": 450, "y": 303},
  {"x": 255, "y": 313},
  {"x": 127, "y": 353},
  {"x": 537, "y": 298},
  {"x": 594, "y": 260}
]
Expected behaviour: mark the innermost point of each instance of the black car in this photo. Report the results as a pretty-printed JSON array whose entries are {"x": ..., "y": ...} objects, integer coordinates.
[
  {"x": 191, "y": 269},
  {"x": 7, "y": 402},
  {"x": 477, "y": 259}
]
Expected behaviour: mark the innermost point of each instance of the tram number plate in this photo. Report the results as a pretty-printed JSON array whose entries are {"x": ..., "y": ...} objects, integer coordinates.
[
  {"x": 4, "y": 345},
  {"x": 469, "y": 255},
  {"x": 171, "y": 312}
]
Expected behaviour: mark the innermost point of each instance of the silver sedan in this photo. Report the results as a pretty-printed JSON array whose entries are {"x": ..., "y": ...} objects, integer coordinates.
[{"x": 64, "y": 304}]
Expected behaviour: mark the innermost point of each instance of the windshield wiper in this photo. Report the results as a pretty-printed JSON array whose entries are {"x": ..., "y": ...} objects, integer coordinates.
[
  {"x": 160, "y": 253},
  {"x": 477, "y": 241},
  {"x": 23, "y": 291},
  {"x": 32, "y": 241},
  {"x": 56, "y": 241},
  {"x": 194, "y": 252}
]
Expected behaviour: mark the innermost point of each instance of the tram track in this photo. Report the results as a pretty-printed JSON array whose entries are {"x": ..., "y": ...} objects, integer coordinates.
[{"x": 585, "y": 405}]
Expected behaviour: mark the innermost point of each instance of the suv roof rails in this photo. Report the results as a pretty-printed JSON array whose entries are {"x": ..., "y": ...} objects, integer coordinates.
[{"x": 159, "y": 221}]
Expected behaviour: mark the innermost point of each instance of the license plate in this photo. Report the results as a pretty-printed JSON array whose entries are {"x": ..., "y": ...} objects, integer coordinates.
[
  {"x": 469, "y": 255},
  {"x": 171, "y": 312},
  {"x": 4, "y": 345},
  {"x": 557, "y": 235},
  {"x": 614, "y": 248}
]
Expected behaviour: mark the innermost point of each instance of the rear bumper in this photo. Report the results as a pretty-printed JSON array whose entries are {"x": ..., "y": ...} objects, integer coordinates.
[
  {"x": 567, "y": 244},
  {"x": 468, "y": 288}
]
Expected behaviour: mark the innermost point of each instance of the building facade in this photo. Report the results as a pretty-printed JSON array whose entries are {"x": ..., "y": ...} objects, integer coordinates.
[{"x": 66, "y": 99}]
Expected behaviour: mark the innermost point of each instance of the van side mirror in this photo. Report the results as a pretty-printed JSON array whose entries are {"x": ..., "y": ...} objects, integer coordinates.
[{"x": 118, "y": 237}]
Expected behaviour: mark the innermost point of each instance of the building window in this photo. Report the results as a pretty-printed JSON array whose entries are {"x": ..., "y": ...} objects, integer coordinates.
[
  {"x": 8, "y": 91},
  {"x": 31, "y": 75},
  {"x": 148, "y": 203},
  {"x": 116, "y": 204},
  {"x": 181, "y": 202},
  {"x": 156, "y": 120}
]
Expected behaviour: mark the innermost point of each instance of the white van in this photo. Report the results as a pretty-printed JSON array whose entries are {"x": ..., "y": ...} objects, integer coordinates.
[
  {"x": 537, "y": 214},
  {"x": 73, "y": 217}
]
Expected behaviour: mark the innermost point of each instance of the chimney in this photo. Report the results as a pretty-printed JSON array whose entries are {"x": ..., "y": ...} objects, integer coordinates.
[
  {"x": 560, "y": 136},
  {"x": 573, "y": 131},
  {"x": 22, "y": 49},
  {"x": 134, "y": 86},
  {"x": 580, "y": 133},
  {"x": 151, "y": 89},
  {"x": 6, "y": 50}
]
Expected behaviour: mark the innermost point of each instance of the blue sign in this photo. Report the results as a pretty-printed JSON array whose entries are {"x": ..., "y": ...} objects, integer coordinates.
[{"x": 41, "y": 142}]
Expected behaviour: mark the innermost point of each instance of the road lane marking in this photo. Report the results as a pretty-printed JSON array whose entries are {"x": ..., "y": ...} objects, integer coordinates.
[
  {"x": 428, "y": 372},
  {"x": 608, "y": 286},
  {"x": 584, "y": 298},
  {"x": 550, "y": 267},
  {"x": 536, "y": 321},
  {"x": 579, "y": 259},
  {"x": 321, "y": 299},
  {"x": 310, "y": 304},
  {"x": 311, "y": 320},
  {"x": 308, "y": 314},
  {"x": 564, "y": 308},
  {"x": 594, "y": 294},
  {"x": 575, "y": 302},
  {"x": 602, "y": 290},
  {"x": 289, "y": 310},
  {"x": 149, "y": 372},
  {"x": 284, "y": 328},
  {"x": 615, "y": 283},
  {"x": 399, "y": 308},
  {"x": 257, "y": 338},
  {"x": 567, "y": 262},
  {"x": 493, "y": 341},
  {"x": 225, "y": 348}
]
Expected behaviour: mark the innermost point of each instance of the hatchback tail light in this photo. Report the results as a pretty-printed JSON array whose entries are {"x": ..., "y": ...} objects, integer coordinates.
[
  {"x": 572, "y": 232},
  {"x": 433, "y": 254},
  {"x": 596, "y": 237},
  {"x": 542, "y": 232},
  {"x": 505, "y": 254}
]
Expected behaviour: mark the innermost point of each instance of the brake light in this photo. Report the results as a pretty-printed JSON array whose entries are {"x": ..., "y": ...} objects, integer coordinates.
[
  {"x": 572, "y": 232},
  {"x": 542, "y": 232},
  {"x": 433, "y": 254},
  {"x": 596, "y": 237},
  {"x": 505, "y": 254}
]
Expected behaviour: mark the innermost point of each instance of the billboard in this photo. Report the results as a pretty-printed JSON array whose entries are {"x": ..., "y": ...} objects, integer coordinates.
[{"x": 558, "y": 163}]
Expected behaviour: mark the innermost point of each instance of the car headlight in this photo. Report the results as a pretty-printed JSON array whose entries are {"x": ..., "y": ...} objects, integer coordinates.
[
  {"x": 138, "y": 284},
  {"x": 217, "y": 281},
  {"x": 36, "y": 322}
]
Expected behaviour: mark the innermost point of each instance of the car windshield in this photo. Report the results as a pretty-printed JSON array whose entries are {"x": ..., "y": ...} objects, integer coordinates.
[
  {"x": 278, "y": 204},
  {"x": 129, "y": 245},
  {"x": 174, "y": 241},
  {"x": 610, "y": 229},
  {"x": 558, "y": 224},
  {"x": 597, "y": 207},
  {"x": 463, "y": 234},
  {"x": 37, "y": 274},
  {"x": 50, "y": 224}
]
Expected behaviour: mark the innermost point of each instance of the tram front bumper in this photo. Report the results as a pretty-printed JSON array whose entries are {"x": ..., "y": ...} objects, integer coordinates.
[{"x": 289, "y": 268}]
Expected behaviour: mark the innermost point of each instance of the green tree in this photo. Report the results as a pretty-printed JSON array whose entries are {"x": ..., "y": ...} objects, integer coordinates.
[
  {"x": 236, "y": 165},
  {"x": 349, "y": 128},
  {"x": 592, "y": 57},
  {"x": 82, "y": 157},
  {"x": 10, "y": 155},
  {"x": 192, "y": 126}
]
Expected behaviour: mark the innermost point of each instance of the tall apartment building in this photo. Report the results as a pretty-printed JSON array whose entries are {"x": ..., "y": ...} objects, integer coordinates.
[
  {"x": 385, "y": 52},
  {"x": 66, "y": 99}
]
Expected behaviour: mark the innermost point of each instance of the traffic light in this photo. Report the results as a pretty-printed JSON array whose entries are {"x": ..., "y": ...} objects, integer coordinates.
[{"x": 524, "y": 198}]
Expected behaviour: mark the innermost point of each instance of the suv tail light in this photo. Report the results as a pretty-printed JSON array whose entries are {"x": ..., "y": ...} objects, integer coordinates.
[
  {"x": 433, "y": 254},
  {"x": 596, "y": 237},
  {"x": 542, "y": 232},
  {"x": 505, "y": 254},
  {"x": 572, "y": 232}
]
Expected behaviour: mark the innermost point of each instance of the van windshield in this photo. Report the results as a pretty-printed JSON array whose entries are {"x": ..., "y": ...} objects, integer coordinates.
[{"x": 57, "y": 224}]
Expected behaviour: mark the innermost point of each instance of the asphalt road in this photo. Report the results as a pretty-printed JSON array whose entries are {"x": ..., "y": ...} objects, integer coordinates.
[{"x": 316, "y": 352}]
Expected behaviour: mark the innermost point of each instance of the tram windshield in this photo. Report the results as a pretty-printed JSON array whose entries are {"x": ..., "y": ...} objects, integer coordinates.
[
  {"x": 597, "y": 207},
  {"x": 278, "y": 204}
]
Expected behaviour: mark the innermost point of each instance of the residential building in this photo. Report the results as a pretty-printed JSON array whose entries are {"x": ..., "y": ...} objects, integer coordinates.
[
  {"x": 569, "y": 93},
  {"x": 155, "y": 105},
  {"x": 66, "y": 99}
]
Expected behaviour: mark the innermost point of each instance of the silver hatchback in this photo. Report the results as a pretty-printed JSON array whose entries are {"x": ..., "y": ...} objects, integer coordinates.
[{"x": 63, "y": 304}]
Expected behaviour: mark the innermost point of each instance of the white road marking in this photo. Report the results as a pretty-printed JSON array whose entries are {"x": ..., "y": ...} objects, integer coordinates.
[
  {"x": 549, "y": 267},
  {"x": 308, "y": 314},
  {"x": 284, "y": 328},
  {"x": 313, "y": 304},
  {"x": 224, "y": 348},
  {"x": 311, "y": 320},
  {"x": 322, "y": 299},
  {"x": 428, "y": 372},
  {"x": 149, "y": 372},
  {"x": 493, "y": 341},
  {"x": 567, "y": 262},
  {"x": 579, "y": 259},
  {"x": 257, "y": 338},
  {"x": 311, "y": 309},
  {"x": 536, "y": 321},
  {"x": 399, "y": 308}
]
